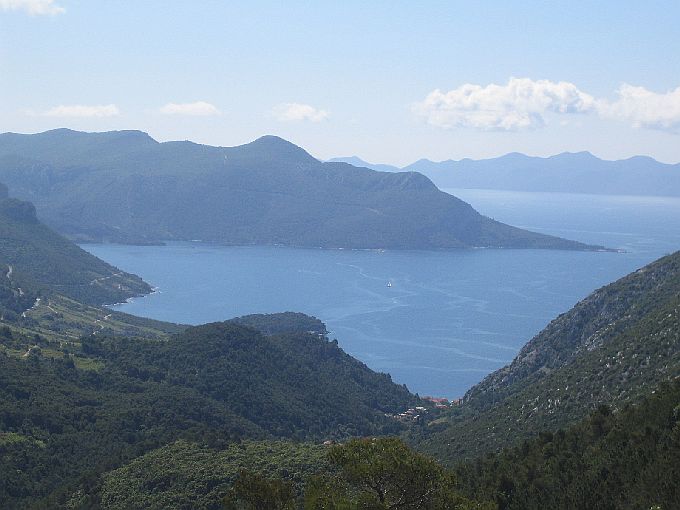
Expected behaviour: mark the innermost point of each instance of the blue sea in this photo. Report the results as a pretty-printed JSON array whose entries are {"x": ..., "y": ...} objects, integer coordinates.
[{"x": 446, "y": 319}]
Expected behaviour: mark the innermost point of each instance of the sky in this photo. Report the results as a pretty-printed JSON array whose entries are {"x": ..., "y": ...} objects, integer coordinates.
[{"x": 388, "y": 81}]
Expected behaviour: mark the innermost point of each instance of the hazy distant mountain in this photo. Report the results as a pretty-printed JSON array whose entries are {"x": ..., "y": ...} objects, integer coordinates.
[
  {"x": 356, "y": 161},
  {"x": 567, "y": 172},
  {"x": 124, "y": 186},
  {"x": 579, "y": 172}
]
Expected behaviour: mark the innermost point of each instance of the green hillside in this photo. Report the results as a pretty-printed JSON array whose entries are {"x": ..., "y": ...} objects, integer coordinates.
[
  {"x": 628, "y": 459},
  {"x": 51, "y": 288},
  {"x": 280, "y": 323},
  {"x": 612, "y": 348},
  {"x": 370, "y": 473},
  {"x": 188, "y": 475},
  {"x": 276, "y": 382},
  {"x": 36, "y": 260},
  {"x": 124, "y": 186},
  {"x": 88, "y": 407},
  {"x": 608, "y": 461},
  {"x": 58, "y": 320}
]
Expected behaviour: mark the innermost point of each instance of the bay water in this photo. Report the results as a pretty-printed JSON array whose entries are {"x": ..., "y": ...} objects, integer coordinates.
[{"x": 437, "y": 321}]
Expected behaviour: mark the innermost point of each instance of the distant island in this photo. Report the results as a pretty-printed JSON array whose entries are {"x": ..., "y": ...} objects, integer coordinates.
[
  {"x": 124, "y": 186},
  {"x": 568, "y": 172}
]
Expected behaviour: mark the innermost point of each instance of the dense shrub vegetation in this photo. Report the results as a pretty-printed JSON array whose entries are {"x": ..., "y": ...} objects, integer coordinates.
[
  {"x": 624, "y": 460},
  {"x": 211, "y": 384},
  {"x": 610, "y": 460},
  {"x": 278, "y": 323},
  {"x": 192, "y": 476}
]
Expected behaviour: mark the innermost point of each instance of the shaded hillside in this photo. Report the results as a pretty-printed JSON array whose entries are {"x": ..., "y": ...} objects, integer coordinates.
[
  {"x": 567, "y": 173},
  {"x": 624, "y": 460},
  {"x": 88, "y": 407},
  {"x": 59, "y": 423},
  {"x": 34, "y": 259},
  {"x": 277, "y": 379},
  {"x": 125, "y": 187},
  {"x": 612, "y": 348}
]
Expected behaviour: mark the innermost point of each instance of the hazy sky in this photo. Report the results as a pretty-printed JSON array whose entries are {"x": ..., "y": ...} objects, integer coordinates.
[{"x": 388, "y": 81}]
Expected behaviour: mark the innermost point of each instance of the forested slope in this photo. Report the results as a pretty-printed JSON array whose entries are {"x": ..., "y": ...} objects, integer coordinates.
[
  {"x": 85, "y": 409},
  {"x": 614, "y": 347},
  {"x": 624, "y": 460},
  {"x": 35, "y": 259}
]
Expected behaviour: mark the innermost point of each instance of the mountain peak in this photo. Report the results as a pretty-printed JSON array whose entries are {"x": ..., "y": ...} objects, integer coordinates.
[
  {"x": 515, "y": 155},
  {"x": 273, "y": 141},
  {"x": 59, "y": 131},
  {"x": 642, "y": 159},
  {"x": 575, "y": 156},
  {"x": 276, "y": 147},
  {"x": 352, "y": 160}
]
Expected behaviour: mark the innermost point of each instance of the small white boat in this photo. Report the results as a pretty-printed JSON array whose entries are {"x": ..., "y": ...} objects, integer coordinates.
[{"x": 389, "y": 284}]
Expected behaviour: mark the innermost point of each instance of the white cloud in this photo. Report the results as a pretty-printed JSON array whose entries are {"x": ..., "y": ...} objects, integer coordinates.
[
  {"x": 644, "y": 108},
  {"x": 32, "y": 7},
  {"x": 199, "y": 108},
  {"x": 520, "y": 104},
  {"x": 290, "y": 112},
  {"x": 79, "y": 110}
]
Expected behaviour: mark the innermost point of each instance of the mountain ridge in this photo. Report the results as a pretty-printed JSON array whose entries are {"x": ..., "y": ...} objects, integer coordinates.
[
  {"x": 566, "y": 172},
  {"x": 124, "y": 186}
]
